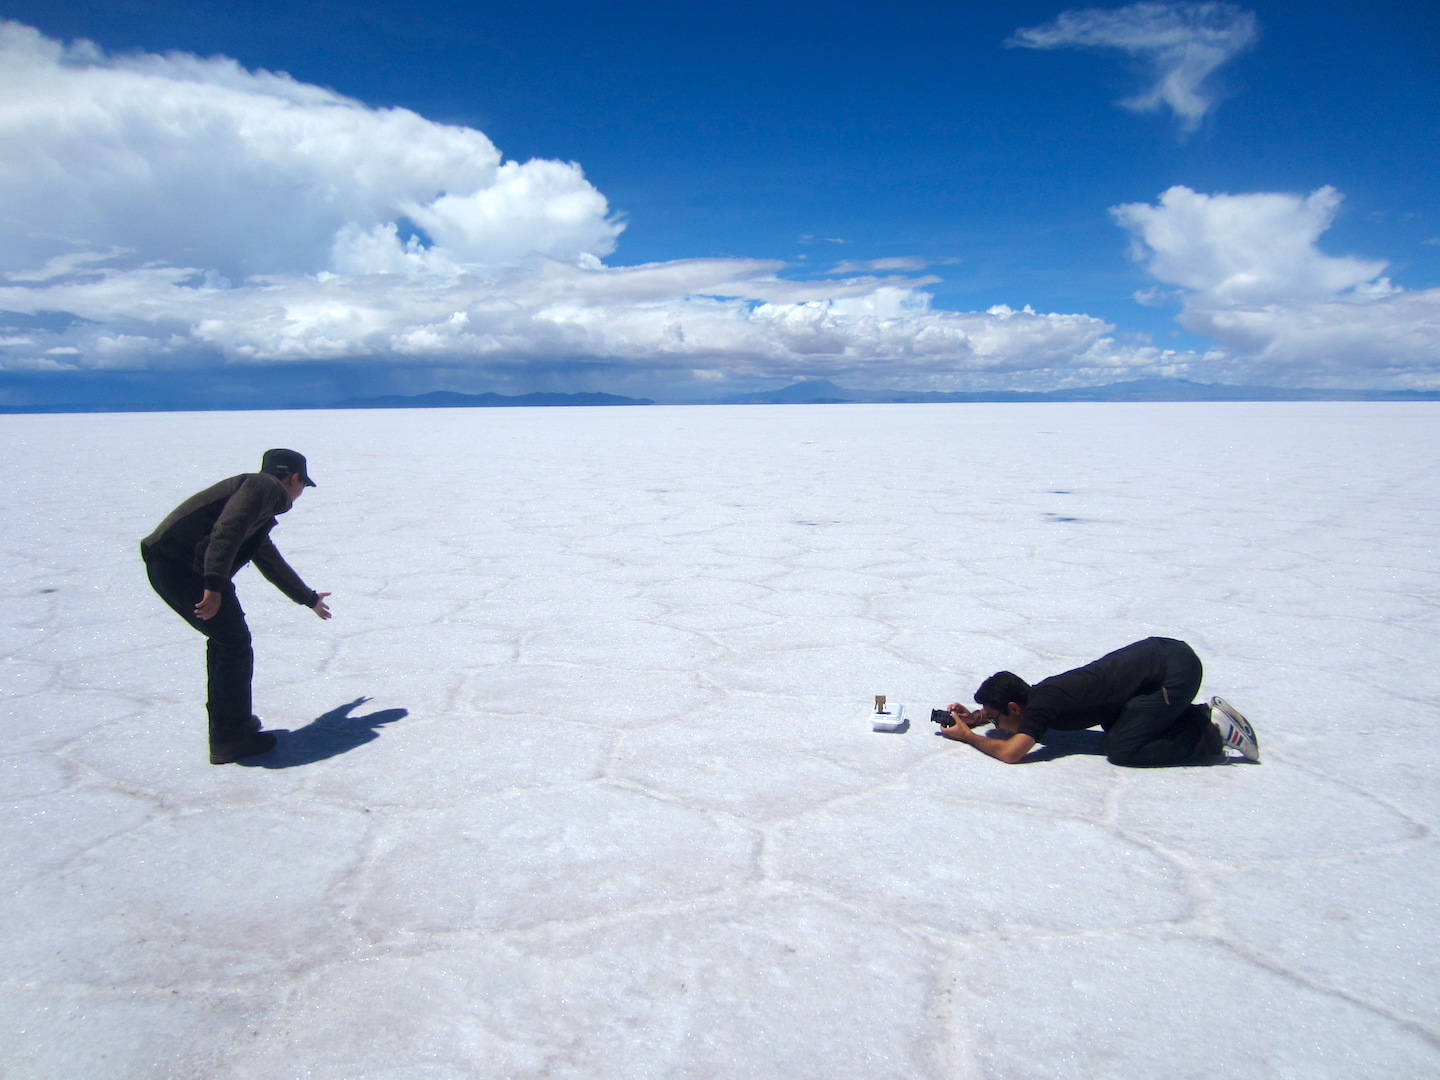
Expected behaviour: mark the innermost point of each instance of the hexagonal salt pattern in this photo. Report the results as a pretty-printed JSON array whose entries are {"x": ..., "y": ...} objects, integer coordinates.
[{"x": 578, "y": 784}]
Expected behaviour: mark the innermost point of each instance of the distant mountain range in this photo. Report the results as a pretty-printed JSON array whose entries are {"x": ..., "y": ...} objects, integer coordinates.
[
  {"x": 808, "y": 392},
  {"x": 448, "y": 399},
  {"x": 820, "y": 392}
]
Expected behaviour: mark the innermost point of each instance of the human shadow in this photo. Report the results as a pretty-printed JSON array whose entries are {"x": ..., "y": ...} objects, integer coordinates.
[
  {"x": 327, "y": 735},
  {"x": 1059, "y": 744}
]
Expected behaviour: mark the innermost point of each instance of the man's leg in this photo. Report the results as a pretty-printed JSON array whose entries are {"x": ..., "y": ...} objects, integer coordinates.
[
  {"x": 229, "y": 656},
  {"x": 1163, "y": 728},
  {"x": 230, "y": 665}
]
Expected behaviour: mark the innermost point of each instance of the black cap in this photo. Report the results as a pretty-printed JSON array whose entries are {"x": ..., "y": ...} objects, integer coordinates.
[{"x": 285, "y": 462}]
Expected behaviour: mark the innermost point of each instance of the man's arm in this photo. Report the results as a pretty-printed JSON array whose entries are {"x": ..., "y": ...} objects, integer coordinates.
[
  {"x": 278, "y": 572},
  {"x": 209, "y": 605},
  {"x": 1009, "y": 750}
]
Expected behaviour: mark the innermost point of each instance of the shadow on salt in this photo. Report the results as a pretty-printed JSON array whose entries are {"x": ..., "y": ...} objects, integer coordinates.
[
  {"x": 1059, "y": 744},
  {"x": 328, "y": 735}
]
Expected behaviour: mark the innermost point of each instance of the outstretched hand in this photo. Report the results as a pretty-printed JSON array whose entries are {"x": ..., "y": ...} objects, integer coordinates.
[{"x": 320, "y": 607}]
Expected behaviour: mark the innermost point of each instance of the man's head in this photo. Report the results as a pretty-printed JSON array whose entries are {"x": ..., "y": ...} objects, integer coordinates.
[
  {"x": 1003, "y": 696},
  {"x": 286, "y": 463},
  {"x": 293, "y": 485}
]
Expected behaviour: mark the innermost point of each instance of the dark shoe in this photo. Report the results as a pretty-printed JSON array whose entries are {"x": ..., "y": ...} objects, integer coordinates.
[
  {"x": 254, "y": 725},
  {"x": 226, "y": 752}
]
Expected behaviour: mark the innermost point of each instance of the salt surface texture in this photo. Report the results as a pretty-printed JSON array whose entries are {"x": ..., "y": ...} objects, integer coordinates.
[{"x": 576, "y": 784}]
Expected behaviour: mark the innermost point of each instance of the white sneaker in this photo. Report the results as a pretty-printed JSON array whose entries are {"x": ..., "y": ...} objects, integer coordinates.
[{"x": 1234, "y": 728}]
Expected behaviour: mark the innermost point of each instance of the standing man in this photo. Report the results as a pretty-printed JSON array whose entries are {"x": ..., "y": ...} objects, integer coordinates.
[
  {"x": 190, "y": 560},
  {"x": 1141, "y": 695}
]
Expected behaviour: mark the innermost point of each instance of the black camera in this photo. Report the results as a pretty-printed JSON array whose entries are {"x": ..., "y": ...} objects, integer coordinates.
[{"x": 943, "y": 717}]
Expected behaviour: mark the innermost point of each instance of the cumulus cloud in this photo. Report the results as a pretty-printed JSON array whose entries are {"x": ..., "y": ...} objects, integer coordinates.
[
  {"x": 173, "y": 211},
  {"x": 198, "y": 162},
  {"x": 1179, "y": 45},
  {"x": 1243, "y": 249},
  {"x": 1252, "y": 276}
]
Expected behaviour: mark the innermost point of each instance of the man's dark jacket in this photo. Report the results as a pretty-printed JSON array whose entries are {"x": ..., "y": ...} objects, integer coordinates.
[{"x": 225, "y": 526}]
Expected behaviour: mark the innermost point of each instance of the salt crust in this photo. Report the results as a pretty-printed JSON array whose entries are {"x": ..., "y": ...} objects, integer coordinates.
[{"x": 574, "y": 785}]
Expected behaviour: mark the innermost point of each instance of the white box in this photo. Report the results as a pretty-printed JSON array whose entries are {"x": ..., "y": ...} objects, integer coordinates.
[{"x": 892, "y": 719}]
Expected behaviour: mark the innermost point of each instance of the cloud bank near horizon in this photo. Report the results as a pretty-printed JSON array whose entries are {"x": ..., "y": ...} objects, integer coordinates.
[
  {"x": 178, "y": 213},
  {"x": 1180, "y": 46}
]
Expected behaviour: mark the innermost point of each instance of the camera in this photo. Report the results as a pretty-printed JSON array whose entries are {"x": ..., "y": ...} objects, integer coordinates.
[{"x": 943, "y": 717}]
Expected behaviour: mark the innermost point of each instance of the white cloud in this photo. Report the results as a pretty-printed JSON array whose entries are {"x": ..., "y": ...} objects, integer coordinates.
[
  {"x": 199, "y": 162},
  {"x": 1180, "y": 44},
  {"x": 1253, "y": 277},
  {"x": 174, "y": 212},
  {"x": 729, "y": 314},
  {"x": 906, "y": 263},
  {"x": 182, "y": 211},
  {"x": 1243, "y": 249}
]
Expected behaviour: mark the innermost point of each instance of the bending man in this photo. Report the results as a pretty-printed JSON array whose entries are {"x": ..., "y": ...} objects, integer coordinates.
[
  {"x": 190, "y": 560},
  {"x": 1142, "y": 695}
]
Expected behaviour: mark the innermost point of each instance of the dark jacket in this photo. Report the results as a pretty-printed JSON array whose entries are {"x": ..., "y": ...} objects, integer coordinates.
[
  {"x": 1098, "y": 692},
  {"x": 219, "y": 530}
]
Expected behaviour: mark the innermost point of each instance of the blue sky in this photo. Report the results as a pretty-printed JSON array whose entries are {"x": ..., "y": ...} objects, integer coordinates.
[{"x": 687, "y": 200}]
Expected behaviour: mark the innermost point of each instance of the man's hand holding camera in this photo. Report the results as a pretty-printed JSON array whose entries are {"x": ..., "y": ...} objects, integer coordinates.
[
  {"x": 1006, "y": 744},
  {"x": 956, "y": 721}
]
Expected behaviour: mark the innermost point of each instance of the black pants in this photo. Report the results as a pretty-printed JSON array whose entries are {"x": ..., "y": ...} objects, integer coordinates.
[
  {"x": 229, "y": 657},
  {"x": 1162, "y": 728}
]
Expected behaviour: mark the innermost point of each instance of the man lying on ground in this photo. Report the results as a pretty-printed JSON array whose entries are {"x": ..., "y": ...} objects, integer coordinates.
[{"x": 1142, "y": 695}]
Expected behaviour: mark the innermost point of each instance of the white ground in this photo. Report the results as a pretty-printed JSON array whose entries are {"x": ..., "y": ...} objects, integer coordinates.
[{"x": 578, "y": 782}]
